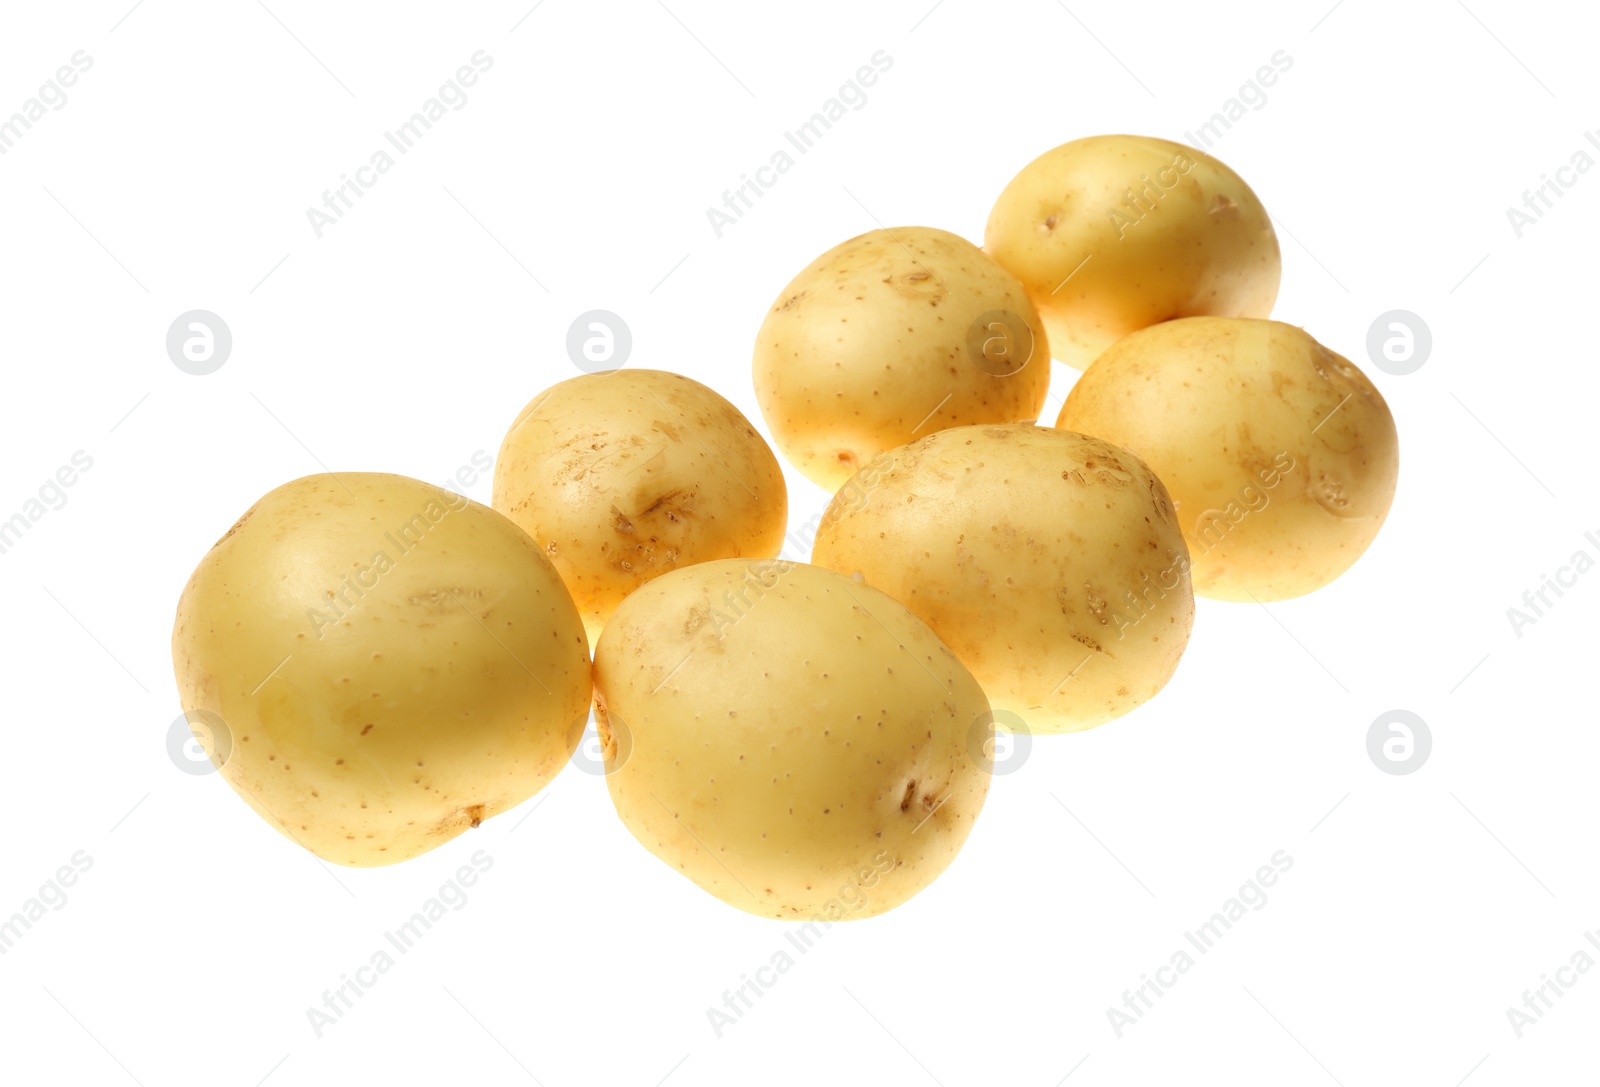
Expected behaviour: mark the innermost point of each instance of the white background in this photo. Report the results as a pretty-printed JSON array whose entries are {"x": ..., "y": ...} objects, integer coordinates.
[{"x": 177, "y": 176}]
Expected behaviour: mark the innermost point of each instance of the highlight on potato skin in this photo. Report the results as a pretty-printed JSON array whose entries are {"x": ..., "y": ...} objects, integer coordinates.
[
  {"x": 379, "y": 664},
  {"x": 1051, "y": 563},
  {"x": 624, "y": 476},
  {"x": 1111, "y": 234},
  {"x": 890, "y": 335},
  {"x": 796, "y": 743},
  {"x": 1281, "y": 456}
]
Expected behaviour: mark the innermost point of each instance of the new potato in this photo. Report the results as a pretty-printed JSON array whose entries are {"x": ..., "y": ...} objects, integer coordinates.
[
  {"x": 378, "y": 664},
  {"x": 793, "y": 741},
  {"x": 1050, "y": 562},
  {"x": 1280, "y": 455},
  {"x": 893, "y": 334},
  {"x": 626, "y": 475},
  {"x": 1114, "y": 233}
]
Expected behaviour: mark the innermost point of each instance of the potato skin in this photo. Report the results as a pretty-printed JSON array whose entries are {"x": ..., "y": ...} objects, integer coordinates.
[
  {"x": 621, "y": 477},
  {"x": 796, "y": 743},
  {"x": 874, "y": 343},
  {"x": 1114, "y": 233},
  {"x": 1037, "y": 555},
  {"x": 1281, "y": 456},
  {"x": 393, "y": 664}
]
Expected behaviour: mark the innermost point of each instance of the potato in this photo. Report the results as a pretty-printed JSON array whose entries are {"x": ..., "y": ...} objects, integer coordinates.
[
  {"x": 890, "y": 335},
  {"x": 1113, "y": 233},
  {"x": 1050, "y": 562},
  {"x": 1280, "y": 455},
  {"x": 794, "y": 742},
  {"x": 626, "y": 475},
  {"x": 378, "y": 664}
]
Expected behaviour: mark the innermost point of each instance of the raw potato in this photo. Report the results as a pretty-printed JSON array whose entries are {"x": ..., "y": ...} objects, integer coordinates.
[
  {"x": 794, "y": 742},
  {"x": 389, "y": 662},
  {"x": 895, "y": 333},
  {"x": 1114, "y": 233},
  {"x": 624, "y": 476},
  {"x": 1280, "y": 455},
  {"x": 1050, "y": 562}
]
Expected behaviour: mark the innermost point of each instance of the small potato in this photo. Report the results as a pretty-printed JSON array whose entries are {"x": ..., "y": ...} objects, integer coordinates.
[
  {"x": 626, "y": 475},
  {"x": 895, "y": 333},
  {"x": 1050, "y": 562},
  {"x": 1113, "y": 233},
  {"x": 378, "y": 664},
  {"x": 793, "y": 741},
  {"x": 1280, "y": 455}
]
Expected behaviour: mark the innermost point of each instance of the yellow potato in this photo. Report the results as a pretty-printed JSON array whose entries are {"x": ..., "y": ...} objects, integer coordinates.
[
  {"x": 1280, "y": 455},
  {"x": 626, "y": 475},
  {"x": 1114, "y": 233},
  {"x": 793, "y": 741},
  {"x": 378, "y": 664},
  {"x": 1050, "y": 562},
  {"x": 895, "y": 333}
]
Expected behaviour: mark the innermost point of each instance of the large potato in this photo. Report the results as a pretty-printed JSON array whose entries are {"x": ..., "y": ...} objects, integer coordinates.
[
  {"x": 1113, "y": 233},
  {"x": 1050, "y": 562},
  {"x": 624, "y": 476},
  {"x": 378, "y": 664},
  {"x": 793, "y": 741},
  {"x": 1280, "y": 455},
  {"x": 890, "y": 335}
]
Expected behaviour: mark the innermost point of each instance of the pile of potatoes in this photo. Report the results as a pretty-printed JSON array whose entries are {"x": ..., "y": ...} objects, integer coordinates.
[{"x": 377, "y": 664}]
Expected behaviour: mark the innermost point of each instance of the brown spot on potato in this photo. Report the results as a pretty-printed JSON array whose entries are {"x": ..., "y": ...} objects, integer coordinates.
[
  {"x": 237, "y": 525},
  {"x": 660, "y": 501}
]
